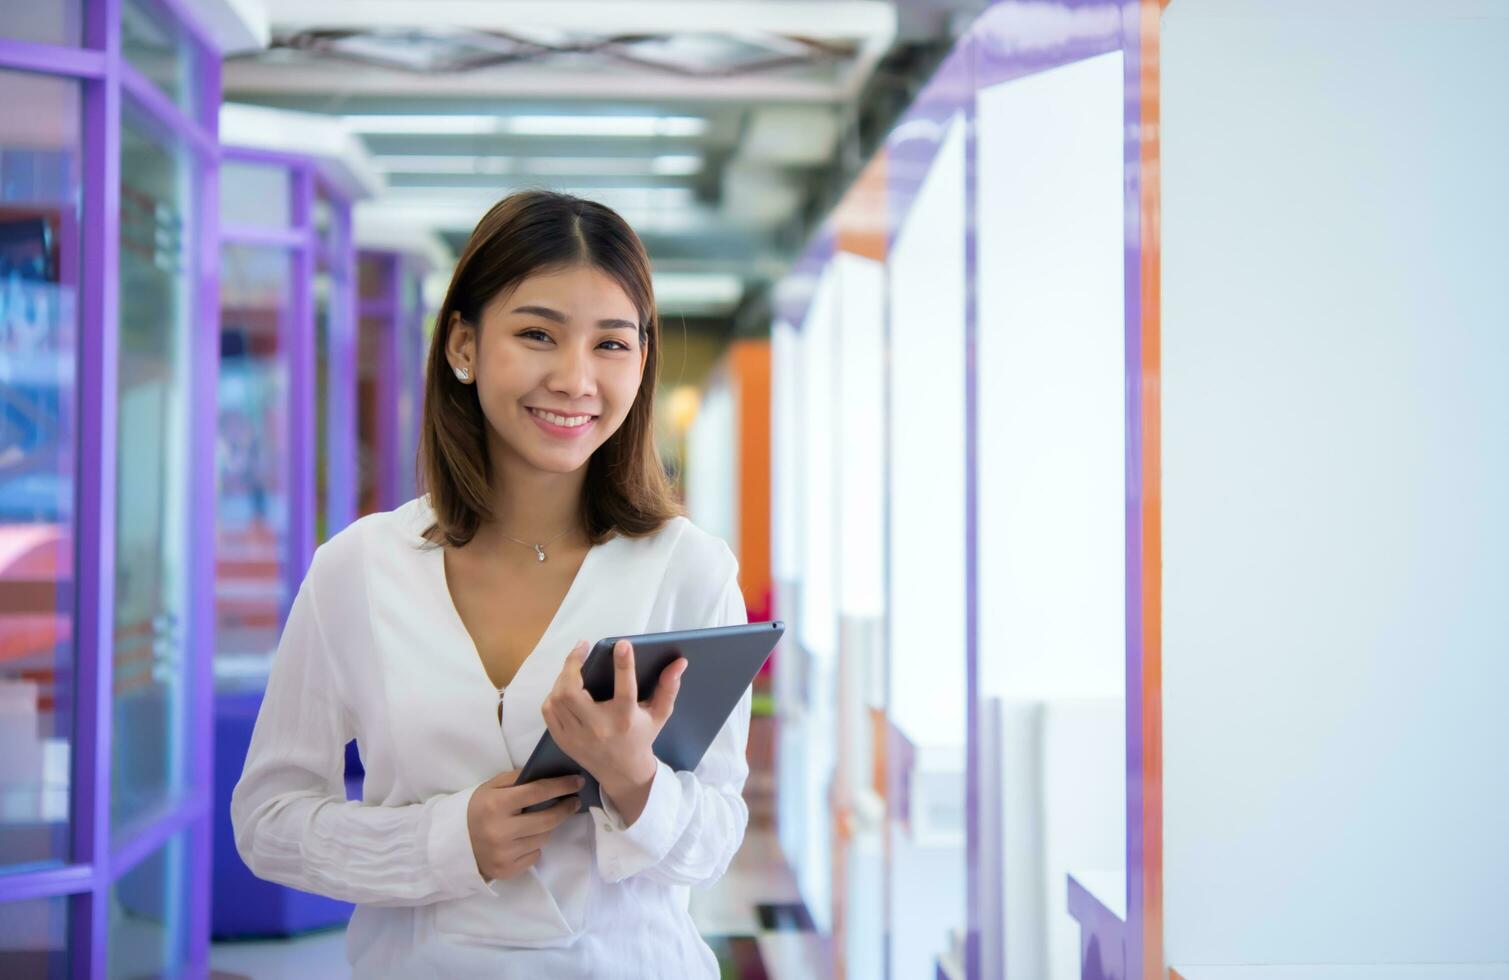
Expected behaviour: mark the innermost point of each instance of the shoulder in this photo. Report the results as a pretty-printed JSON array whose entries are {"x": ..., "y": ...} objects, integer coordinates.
[
  {"x": 350, "y": 548},
  {"x": 682, "y": 550},
  {"x": 695, "y": 559}
]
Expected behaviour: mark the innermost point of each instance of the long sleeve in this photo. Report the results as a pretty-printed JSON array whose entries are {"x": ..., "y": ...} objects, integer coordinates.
[
  {"x": 693, "y": 822},
  {"x": 292, "y": 822}
]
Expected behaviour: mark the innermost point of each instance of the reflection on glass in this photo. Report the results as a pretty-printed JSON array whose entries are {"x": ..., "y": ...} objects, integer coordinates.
[
  {"x": 34, "y": 938},
  {"x": 373, "y": 270},
  {"x": 251, "y": 458},
  {"x": 323, "y": 219},
  {"x": 154, "y": 44},
  {"x": 374, "y": 397},
  {"x": 57, "y": 22},
  {"x": 255, "y": 195},
  {"x": 40, "y": 165},
  {"x": 321, "y": 405},
  {"x": 151, "y": 504},
  {"x": 372, "y": 406},
  {"x": 148, "y": 915}
]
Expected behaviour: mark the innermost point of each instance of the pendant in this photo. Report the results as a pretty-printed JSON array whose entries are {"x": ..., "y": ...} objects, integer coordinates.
[{"x": 539, "y": 550}]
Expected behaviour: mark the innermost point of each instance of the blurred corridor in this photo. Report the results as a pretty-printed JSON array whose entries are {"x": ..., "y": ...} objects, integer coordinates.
[{"x": 1108, "y": 395}]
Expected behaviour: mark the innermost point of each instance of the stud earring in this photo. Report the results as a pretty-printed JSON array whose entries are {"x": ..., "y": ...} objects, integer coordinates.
[{"x": 463, "y": 374}]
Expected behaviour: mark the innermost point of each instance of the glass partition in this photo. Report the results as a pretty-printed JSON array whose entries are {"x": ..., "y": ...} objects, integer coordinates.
[
  {"x": 34, "y": 938},
  {"x": 59, "y": 22},
  {"x": 323, "y": 363},
  {"x": 336, "y": 367},
  {"x": 41, "y": 165},
  {"x": 253, "y": 457},
  {"x": 1051, "y": 454},
  {"x": 105, "y": 452},
  {"x": 152, "y": 412},
  {"x": 255, "y": 195},
  {"x": 148, "y": 916},
  {"x": 156, "y": 45}
]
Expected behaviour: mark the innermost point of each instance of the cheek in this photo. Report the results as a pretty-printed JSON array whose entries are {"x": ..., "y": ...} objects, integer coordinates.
[{"x": 626, "y": 392}]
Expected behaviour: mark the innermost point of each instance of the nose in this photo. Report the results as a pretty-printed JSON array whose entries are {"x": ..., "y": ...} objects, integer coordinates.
[{"x": 572, "y": 374}]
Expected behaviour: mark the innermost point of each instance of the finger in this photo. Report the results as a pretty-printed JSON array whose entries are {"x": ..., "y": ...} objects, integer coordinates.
[
  {"x": 544, "y": 821},
  {"x": 551, "y": 710},
  {"x": 521, "y": 863},
  {"x": 570, "y": 677},
  {"x": 533, "y": 842},
  {"x": 562, "y": 721},
  {"x": 625, "y": 685},
  {"x": 502, "y": 780},
  {"x": 663, "y": 702},
  {"x": 543, "y": 789}
]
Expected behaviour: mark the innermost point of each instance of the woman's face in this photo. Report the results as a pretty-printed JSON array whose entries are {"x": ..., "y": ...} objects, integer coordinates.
[{"x": 557, "y": 364}]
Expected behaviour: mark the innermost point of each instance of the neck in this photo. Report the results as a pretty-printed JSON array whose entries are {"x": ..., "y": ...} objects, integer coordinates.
[{"x": 535, "y": 506}]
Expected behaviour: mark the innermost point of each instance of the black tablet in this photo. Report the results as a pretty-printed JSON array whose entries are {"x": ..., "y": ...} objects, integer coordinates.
[{"x": 721, "y": 663}]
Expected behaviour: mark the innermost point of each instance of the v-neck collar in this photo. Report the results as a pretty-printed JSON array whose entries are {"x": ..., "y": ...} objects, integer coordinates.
[{"x": 573, "y": 591}]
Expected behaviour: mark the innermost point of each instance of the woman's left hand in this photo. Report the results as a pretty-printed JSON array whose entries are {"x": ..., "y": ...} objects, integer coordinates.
[{"x": 612, "y": 739}]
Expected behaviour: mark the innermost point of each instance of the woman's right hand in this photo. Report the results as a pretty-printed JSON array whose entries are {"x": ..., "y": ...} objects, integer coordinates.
[{"x": 506, "y": 842}]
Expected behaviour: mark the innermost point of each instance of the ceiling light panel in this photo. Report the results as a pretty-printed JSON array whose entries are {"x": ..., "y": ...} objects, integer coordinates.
[{"x": 534, "y": 125}]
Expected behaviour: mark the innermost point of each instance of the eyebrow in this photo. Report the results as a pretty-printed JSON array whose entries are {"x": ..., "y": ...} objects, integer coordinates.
[{"x": 559, "y": 317}]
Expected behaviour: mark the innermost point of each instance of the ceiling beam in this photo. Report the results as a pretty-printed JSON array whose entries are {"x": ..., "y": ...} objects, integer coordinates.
[{"x": 818, "y": 18}]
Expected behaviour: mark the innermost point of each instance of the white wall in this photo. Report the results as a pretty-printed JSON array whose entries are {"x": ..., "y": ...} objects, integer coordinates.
[
  {"x": 1051, "y": 457},
  {"x": 818, "y": 430},
  {"x": 926, "y": 601},
  {"x": 1336, "y": 481},
  {"x": 712, "y": 479},
  {"x": 860, "y": 285},
  {"x": 926, "y": 478}
]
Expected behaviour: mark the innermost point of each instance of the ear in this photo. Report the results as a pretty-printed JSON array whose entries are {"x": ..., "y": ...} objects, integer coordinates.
[{"x": 461, "y": 343}]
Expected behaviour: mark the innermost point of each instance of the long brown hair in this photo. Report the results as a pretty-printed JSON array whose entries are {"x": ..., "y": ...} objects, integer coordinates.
[{"x": 626, "y": 489}]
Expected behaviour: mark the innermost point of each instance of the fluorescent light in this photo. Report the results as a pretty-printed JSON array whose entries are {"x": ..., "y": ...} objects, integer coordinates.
[
  {"x": 418, "y": 163},
  {"x": 606, "y": 125},
  {"x": 674, "y": 165},
  {"x": 618, "y": 198},
  {"x": 426, "y": 125},
  {"x": 693, "y": 289},
  {"x": 554, "y": 125}
]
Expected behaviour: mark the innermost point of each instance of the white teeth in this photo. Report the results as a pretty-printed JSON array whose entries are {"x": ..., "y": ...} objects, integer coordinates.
[{"x": 573, "y": 421}]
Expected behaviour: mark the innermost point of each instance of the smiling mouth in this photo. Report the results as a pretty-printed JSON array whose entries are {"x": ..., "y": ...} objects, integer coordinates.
[{"x": 569, "y": 421}]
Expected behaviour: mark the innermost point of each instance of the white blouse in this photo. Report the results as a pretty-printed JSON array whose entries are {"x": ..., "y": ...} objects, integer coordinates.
[{"x": 375, "y": 650}]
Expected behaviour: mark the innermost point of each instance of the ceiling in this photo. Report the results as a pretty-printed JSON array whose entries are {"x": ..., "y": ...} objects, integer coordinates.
[{"x": 721, "y": 129}]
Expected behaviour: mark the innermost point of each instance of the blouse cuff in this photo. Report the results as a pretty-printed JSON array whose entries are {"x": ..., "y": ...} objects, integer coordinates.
[
  {"x": 449, "y": 845},
  {"x": 623, "y": 851}
]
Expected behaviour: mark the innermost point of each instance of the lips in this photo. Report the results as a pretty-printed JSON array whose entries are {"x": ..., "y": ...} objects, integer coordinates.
[
  {"x": 542, "y": 412},
  {"x": 557, "y": 431}
]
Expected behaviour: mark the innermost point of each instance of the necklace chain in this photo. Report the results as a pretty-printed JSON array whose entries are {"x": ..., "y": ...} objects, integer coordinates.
[{"x": 539, "y": 549}]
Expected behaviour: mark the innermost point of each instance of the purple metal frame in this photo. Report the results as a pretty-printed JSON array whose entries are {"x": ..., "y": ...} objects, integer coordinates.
[
  {"x": 97, "y": 861},
  {"x": 342, "y": 470},
  {"x": 299, "y": 345}
]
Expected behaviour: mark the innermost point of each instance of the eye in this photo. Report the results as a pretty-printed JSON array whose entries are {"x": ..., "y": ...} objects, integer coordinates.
[{"x": 536, "y": 332}]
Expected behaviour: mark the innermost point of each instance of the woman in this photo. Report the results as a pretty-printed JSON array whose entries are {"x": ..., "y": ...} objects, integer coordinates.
[{"x": 440, "y": 636}]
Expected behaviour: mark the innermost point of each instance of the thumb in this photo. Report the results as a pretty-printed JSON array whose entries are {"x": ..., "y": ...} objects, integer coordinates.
[{"x": 663, "y": 701}]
